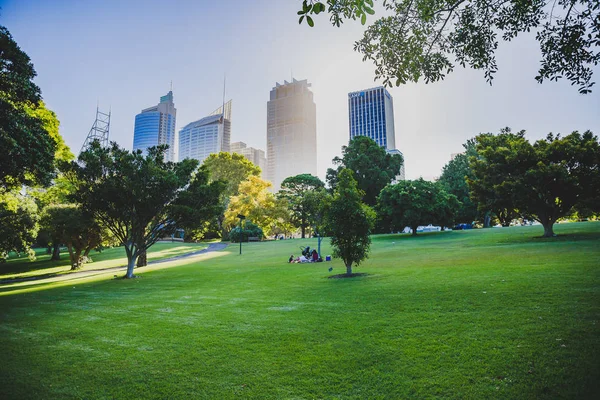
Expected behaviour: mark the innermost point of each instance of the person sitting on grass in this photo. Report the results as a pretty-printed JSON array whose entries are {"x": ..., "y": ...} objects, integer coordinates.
[
  {"x": 315, "y": 256},
  {"x": 291, "y": 260}
]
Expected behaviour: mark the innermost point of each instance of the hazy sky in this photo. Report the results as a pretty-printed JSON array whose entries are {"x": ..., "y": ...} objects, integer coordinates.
[{"x": 124, "y": 54}]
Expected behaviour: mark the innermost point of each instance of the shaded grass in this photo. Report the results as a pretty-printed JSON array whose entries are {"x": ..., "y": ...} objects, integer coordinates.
[
  {"x": 21, "y": 267},
  {"x": 494, "y": 313}
]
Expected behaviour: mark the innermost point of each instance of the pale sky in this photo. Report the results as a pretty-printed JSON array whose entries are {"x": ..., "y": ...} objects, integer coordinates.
[{"x": 124, "y": 54}]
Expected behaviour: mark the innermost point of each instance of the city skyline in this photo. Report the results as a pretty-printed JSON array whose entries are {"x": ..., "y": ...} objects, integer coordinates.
[{"x": 119, "y": 69}]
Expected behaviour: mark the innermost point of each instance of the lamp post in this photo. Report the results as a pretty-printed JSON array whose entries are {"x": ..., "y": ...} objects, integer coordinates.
[{"x": 241, "y": 217}]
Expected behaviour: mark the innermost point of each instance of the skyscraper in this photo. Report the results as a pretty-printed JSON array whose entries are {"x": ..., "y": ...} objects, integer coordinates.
[
  {"x": 291, "y": 132},
  {"x": 256, "y": 156},
  {"x": 208, "y": 135},
  {"x": 156, "y": 125},
  {"x": 371, "y": 113}
]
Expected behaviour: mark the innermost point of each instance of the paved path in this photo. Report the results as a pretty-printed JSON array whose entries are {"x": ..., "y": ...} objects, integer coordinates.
[{"x": 211, "y": 247}]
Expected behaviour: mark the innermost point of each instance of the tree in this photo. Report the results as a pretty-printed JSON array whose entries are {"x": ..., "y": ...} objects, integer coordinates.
[
  {"x": 543, "y": 181},
  {"x": 249, "y": 230},
  {"x": 424, "y": 39},
  {"x": 454, "y": 181},
  {"x": 140, "y": 199},
  {"x": 232, "y": 168},
  {"x": 283, "y": 220},
  {"x": 295, "y": 189},
  {"x": 415, "y": 203},
  {"x": 255, "y": 202},
  {"x": 68, "y": 224},
  {"x": 26, "y": 126},
  {"x": 350, "y": 222},
  {"x": 18, "y": 223},
  {"x": 372, "y": 167}
]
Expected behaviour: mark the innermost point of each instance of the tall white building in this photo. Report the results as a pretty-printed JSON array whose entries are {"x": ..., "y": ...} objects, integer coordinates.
[
  {"x": 291, "y": 132},
  {"x": 256, "y": 156},
  {"x": 206, "y": 136}
]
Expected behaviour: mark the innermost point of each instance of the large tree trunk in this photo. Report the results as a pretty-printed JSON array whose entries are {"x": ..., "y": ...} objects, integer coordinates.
[
  {"x": 142, "y": 260},
  {"x": 75, "y": 257},
  {"x": 130, "y": 266},
  {"x": 319, "y": 238},
  {"x": 548, "y": 228},
  {"x": 55, "y": 252},
  {"x": 414, "y": 230},
  {"x": 486, "y": 220},
  {"x": 349, "y": 269}
]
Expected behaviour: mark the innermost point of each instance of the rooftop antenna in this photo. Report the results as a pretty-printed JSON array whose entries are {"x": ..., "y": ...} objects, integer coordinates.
[
  {"x": 224, "y": 82},
  {"x": 99, "y": 131},
  {"x": 171, "y": 85}
]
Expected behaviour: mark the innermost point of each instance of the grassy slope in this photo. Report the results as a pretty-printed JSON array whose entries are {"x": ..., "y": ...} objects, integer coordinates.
[
  {"x": 474, "y": 314},
  {"x": 115, "y": 257}
]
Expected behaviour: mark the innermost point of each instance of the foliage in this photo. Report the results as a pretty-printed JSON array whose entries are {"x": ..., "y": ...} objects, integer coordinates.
[
  {"x": 28, "y": 131},
  {"x": 232, "y": 168},
  {"x": 372, "y": 167},
  {"x": 454, "y": 181},
  {"x": 425, "y": 39},
  {"x": 18, "y": 223},
  {"x": 543, "y": 181},
  {"x": 68, "y": 224},
  {"x": 295, "y": 189},
  {"x": 415, "y": 203},
  {"x": 247, "y": 231},
  {"x": 283, "y": 223},
  {"x": 349, "y": 221},
  {"x": 140, "y": 199},
  {"x": 255, "y": 202}
]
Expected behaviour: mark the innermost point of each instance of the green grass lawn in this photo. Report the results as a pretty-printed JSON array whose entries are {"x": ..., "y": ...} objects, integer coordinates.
[
  {"x": 21, "y": 267},
  {"x": 496, "y": 313}
]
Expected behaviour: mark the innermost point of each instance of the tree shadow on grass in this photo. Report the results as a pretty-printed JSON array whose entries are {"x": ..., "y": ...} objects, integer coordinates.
[{"x": 353, "y": 275}]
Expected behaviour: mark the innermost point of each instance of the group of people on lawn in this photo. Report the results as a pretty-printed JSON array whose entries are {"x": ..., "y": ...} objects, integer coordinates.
[{"x": 310, "y": 257}]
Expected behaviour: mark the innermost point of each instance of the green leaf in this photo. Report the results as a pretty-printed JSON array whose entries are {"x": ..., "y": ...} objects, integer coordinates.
[
  {"x": 310, "y": 21},
  {"x": 300, "y": 20},
  {"x": 363, "y": 19},
  {"x": 369, "y": 2},
  {"x": 301, "y": 12},
  {"x": 369, "y": 10}
]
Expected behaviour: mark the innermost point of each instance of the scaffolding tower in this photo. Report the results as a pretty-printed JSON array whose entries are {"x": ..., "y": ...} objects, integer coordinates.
[{"x": 99, "y": 130}]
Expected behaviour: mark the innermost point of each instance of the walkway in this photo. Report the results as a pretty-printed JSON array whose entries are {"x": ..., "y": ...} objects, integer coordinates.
[{"x": 79, "y": 274}]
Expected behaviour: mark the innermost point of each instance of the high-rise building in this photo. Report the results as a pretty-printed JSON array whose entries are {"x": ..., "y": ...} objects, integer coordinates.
[
  {"x": 211, "y": 134},
  {"x": 291, "y": 132},
  {"x": 256, "y": 156},
  {"x": 156, "y": 125},
  {"x": 371, "y": 113}
]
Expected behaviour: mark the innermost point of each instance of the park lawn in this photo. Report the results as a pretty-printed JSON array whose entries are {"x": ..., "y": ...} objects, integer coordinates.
[
  {"x": 21, "y": 267},
  {"x": 495, "y": 313}
]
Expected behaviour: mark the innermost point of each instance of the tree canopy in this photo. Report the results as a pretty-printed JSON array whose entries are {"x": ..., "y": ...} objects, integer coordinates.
[
  {"x": 349, "y": 221},
  {"x": 544, "y": 180},
  {"x": 296, "y": 190},
  {"x": 454, "y": 181},
  {"x": 371, "y": 166},
  {"x": 231, "y": 168},
  {"x": 415, "y": 203},
  {"x": 140, "y": 199},
  {"x": 425, "y": 39},
  {"x": 255, "y": 202},
  {"x": 28, "y": 131},
  {"x": 18, "y": 222}
]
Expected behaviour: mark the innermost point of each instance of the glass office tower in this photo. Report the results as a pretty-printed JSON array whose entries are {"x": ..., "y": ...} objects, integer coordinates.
[
  {"x": 156, "y": 125},
  {"x": 208, "y": 135},
  {"x": 371, "y": 113},
  {"x": 291, "y": 132}
]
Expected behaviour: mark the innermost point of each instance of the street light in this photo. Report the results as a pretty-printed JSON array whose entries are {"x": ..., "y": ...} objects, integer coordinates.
[{"x": 241, "y": 217}]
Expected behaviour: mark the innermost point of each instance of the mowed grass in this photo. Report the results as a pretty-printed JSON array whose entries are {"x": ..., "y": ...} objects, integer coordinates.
[
  {"x": 496, "y": 313},
  {"x": 21, "y": 267}
]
